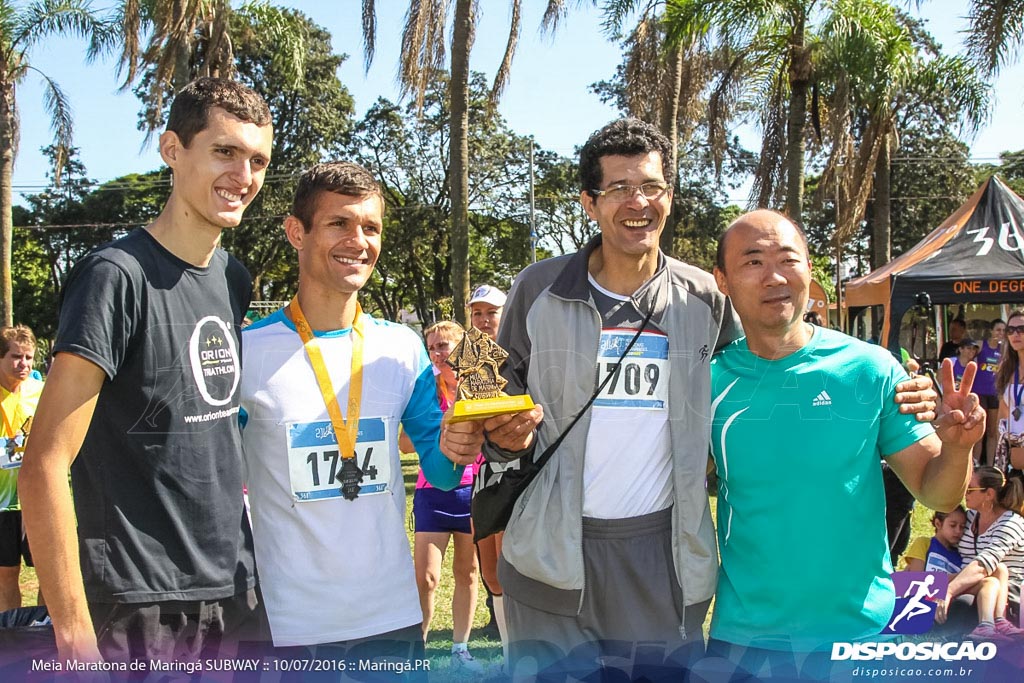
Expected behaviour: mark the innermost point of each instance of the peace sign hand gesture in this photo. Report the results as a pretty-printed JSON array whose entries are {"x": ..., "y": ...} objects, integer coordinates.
[{"x": 961, "y": 419}]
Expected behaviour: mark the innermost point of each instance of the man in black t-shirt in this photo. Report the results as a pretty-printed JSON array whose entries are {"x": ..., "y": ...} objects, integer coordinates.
[
  {"x": 142, "y": 405},
  {"x": 957, "y": 330}
]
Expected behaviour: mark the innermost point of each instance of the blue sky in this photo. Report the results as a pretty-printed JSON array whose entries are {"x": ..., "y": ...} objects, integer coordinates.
[{"x": 547, "y": 97}]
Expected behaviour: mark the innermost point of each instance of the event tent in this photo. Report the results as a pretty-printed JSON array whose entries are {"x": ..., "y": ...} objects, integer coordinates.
[{"x": 975, "y": 256}]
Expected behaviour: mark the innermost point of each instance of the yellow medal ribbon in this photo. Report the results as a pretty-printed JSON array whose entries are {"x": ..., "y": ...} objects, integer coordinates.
[
  {"x": 346, "y": 432},
  {"x": 9, "y": 430},
  {"x": 8, "y": 427}
]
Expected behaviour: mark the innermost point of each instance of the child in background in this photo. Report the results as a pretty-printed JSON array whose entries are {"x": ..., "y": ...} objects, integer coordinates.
[{"x": 939, "y": 553}]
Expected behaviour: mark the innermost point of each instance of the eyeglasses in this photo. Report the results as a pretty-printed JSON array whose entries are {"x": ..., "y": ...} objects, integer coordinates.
[
  {"x": 977, "y": 488},
  {"x": 623, "y": 193},
  {"x": 1014, "y": 329}
]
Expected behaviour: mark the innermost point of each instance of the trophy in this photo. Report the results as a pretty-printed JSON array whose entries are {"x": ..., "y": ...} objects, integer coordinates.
[{"x": 476, "y": 361}]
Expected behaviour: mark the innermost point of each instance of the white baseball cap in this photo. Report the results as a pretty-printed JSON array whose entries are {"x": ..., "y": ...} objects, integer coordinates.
[{"x": 488, "y": 295}]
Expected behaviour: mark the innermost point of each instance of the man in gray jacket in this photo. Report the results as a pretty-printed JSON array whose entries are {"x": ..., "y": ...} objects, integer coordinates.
[
  {"x": 609, "y": 555},
  {"x": 617, "y": 545}
]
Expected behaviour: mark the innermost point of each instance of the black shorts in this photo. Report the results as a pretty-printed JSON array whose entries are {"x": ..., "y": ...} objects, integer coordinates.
[
  {"x": 988, "y": 401},
  {"x": 13, "y": 543}
]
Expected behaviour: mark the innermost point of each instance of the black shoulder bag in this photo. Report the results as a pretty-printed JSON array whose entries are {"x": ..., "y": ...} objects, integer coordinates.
[{"x": 498, "y": 485}]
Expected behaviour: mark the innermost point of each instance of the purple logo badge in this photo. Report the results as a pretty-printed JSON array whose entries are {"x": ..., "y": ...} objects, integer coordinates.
[{"x": 916, "y": 593}]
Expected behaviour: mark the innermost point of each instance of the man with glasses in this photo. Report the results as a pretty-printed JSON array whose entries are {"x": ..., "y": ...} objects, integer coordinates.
[
  {"x": 612, "y": 544},
  {"x": 613, "y": 541}
]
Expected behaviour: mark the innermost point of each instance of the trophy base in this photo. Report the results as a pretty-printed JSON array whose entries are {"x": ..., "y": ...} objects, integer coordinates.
[{"x": 483, "y": 408}]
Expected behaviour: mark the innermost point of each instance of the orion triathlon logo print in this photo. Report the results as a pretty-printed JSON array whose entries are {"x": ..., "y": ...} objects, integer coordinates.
[
  {"x": 916, "y": 595},
  {"x": 214, "y": 359}
]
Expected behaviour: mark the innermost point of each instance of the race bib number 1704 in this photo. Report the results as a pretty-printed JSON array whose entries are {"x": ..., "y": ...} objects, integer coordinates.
[{"x": 314, "y": 459}]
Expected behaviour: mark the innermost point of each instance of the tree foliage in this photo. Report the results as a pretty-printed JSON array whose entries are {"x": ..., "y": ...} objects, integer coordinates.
[
  {"x": 407, "y": 149},
  {"x": 67, "y": 220},
  {"x": 1011, "y": 170},
  {"x": 995, "y": 33},
  {"x": 196, "y": 38},
  {"x": 931, "y": 178},
  {"x": 22, "y": 28},
  {"x": 424, "y": 48},
  {"x": 313, "y": 119},
  {"x": 186, "y": 39},
  {"x": 668, "y": 83},
  {"x": 886, "y": 72},
  {"x": 773, "y": 46}
]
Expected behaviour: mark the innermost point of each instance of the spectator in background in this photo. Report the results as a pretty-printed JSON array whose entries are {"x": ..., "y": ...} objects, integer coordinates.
[
  {"x": 1010, "y": 388},
  {"x": 957, "y": 330},
  {"x": 985, "y": 386},
  {"x": 442, "y": 516},
  {"x": 992, "y": 548},
  {"x": 940, "y": 552},
  {"x": 812, "y": 317},
  {"x": 485, "y": 307},
  {"x": 966, "y": 352},
  {"x": 19, "y": 395}
]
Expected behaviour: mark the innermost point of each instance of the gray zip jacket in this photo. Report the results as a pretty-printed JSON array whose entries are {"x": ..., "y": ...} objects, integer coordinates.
[{"x": 551, "y": 328}]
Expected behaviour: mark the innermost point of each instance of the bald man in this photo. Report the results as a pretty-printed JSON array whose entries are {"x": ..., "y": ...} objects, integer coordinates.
[{"x": 801, "y": 415}]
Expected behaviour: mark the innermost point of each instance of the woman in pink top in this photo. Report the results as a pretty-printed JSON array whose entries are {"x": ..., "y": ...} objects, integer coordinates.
[{"x": 441, "y": 516}]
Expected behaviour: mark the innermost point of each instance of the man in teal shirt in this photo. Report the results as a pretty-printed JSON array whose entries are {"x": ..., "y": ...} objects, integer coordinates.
[{"x": 801, "y": 416}]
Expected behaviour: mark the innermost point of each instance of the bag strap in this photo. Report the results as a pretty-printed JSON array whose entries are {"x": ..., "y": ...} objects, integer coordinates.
[{"x": 550, "y": 450}]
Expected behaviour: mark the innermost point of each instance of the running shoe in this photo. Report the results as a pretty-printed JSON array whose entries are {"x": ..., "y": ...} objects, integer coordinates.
[
  {"x": 463, "y": 661},
  {"x": 1006, "y": 627},
  {"x": 988, "y": 633}
]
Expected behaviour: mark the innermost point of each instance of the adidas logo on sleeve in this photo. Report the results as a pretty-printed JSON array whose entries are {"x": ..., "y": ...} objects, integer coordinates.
[{"x": 822, "y": 399}]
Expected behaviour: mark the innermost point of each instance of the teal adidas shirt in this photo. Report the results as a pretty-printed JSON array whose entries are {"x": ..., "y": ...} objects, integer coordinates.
[{"x": 801, "y": 509}]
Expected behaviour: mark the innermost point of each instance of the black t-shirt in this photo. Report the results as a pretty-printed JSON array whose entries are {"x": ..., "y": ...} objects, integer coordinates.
[
  {"x": 949, "y": 350},
  {"x": 158, "y": 481}
]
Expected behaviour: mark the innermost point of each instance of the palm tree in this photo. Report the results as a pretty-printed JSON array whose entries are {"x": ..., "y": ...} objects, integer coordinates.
[
  {"x": 21, "y": 29},
  {"x": 995, "y": 34},
  {"x": 952, "y": 91},
  {"x": 187, "y": 39},
  {"x": 874, "y": 70},
  {"x": 423, "y": 53},
  {"x": 774, "y": 43},
  {"x": 870, "y": 68},
  {"x": 665, "y": 83},
  {"x": 868, "y": 58}
]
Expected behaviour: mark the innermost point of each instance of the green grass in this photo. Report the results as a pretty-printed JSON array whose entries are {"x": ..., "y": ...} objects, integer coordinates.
[{"x": 439, "y": 641}]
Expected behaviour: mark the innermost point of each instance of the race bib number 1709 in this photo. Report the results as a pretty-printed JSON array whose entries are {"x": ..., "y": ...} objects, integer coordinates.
[{"x": 314, "y": 459}]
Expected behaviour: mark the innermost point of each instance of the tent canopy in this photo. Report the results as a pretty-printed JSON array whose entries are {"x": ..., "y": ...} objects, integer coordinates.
[{"x": 975, "y": 256}]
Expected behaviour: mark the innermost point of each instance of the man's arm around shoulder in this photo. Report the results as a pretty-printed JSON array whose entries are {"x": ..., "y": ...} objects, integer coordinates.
[{"x": 62, "y": 419}]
